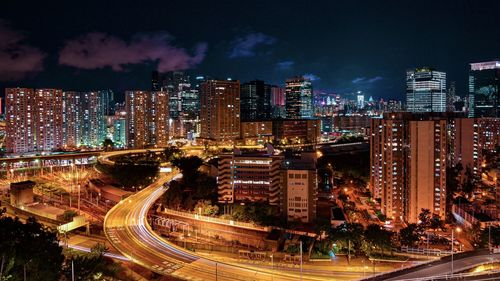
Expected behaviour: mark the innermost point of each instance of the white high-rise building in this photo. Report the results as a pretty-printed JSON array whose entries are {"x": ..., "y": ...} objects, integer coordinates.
[
  {"x": 425, "y": 90},
  {"x": 361, "y": 100}
]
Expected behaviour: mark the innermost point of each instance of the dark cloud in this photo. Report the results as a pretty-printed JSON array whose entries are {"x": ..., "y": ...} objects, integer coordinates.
[
  {"x": 311, "y": 77},
  {"x": 245, "y": 46},
  {"x": 365, "y": 80},
  {"x": 285, "y": 65},
  {"x": 17, "y": 59},
  {"x": 100, "y": 50}
]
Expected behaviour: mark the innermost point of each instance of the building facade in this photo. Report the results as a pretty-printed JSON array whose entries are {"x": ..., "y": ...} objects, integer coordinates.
[
  {"x": 255, "y": 100},
  {"x": 408, "y": 158},
  {"x": 299, "y": 193},
  {"x": 147, "y": 118},
  {"x": 84, "y": 118},
  {"x": 299, "y": 98},
  {"x": 249, "y": 178},
  {"x": 34, "y": 121},
  {"x": 220, "y": 110},
  {"x": 484, "y": 89},
  {"x": 425, "y": 90}
]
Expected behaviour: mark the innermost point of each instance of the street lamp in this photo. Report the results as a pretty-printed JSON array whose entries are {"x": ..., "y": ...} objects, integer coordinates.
[{"x": 458, "y": 230}]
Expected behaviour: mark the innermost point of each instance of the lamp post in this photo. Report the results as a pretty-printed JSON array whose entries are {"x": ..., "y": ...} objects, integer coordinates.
[{"x": 458, "y": 229}]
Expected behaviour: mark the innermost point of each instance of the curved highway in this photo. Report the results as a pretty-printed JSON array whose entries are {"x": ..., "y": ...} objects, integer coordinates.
[{"x": 126, "y": 227}]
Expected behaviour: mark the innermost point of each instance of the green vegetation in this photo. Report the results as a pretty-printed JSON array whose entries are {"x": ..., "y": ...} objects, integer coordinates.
[
  {"x": 495, "y": 236},
  {"x": 133, "y": 171},
  {"x": 90, "y": 266},
  {"x": 259, "y": 213},
  {"x": 193, "y": 187},
  {"x": 409, "y": 235},
  {"x": 29, "y": 247},
  {"x": 108, "y": 144}
]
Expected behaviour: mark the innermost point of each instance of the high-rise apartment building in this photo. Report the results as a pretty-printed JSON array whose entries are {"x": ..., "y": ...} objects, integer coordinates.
[
  {"x": 120, "y": 132},
  {"x": 147, "y": 118},
  {"x": 484, "y": 89},
  {"x": 471, "y": 138},
  {"x": 173, "y": 82},
  {"x": 425, "y": 90},
  {"x": 426, "y": 171},
  {"x": 408, "y": 164},
  {"x": 84, "y": 118},
  {"x": 33, "y": 120},
  {"x": 249, "y": 177},
  {"x": 255, "y": 100},
  {"x": 220, "y": 110},
  {"x": 299, "y": 98}
]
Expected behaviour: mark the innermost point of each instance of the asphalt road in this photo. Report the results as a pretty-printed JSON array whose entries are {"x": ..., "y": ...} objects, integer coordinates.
[
  {"x": 128, "y": 231},
  {"x": 445, "y": 267}
]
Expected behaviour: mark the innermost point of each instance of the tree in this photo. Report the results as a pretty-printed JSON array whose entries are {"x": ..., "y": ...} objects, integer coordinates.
[
  {"x": 28, "y": 247},
  {"x": 494, "y": 236},
  {"x": 206, "y": 208},
  {"x": 135, "y": 174},
  {"x": 108, "y": 144},
  {"x": 189, "y": 167},
  {"x": 376, "y": 238},
  {"x": 172, "y": 199},
  {"x": 409, "y": 235},
  {"x": 347, "y": 236},
  {"x": 424, "y": 219},
  {"x": 86, "y": 266},
  {"x": 172, "y": 152},
  {"x": 436, "y": 222}
]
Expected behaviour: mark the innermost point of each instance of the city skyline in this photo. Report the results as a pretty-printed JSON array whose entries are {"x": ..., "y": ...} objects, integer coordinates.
[{"x": 334, "y": 54}]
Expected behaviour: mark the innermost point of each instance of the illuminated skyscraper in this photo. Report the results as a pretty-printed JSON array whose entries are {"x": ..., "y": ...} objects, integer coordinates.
[
  {"x": 484, "y": 89},
  {"x": 220, "y": 110},
  {"x": 278, "y": 102},
  {"x": 255, "y": 100},
  {"x": 84, "y": 118},
  {"x": 33, "y": 120},
  {"x": 299, "y": 98},
  {"x": 361, "y": 100},
  {"x": 425, "y": 90},
  {"x": 147, "y": 118}
]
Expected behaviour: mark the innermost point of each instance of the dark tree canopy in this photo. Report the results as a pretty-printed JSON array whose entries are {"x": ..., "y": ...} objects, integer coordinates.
[{"x": 29, "y": 246}]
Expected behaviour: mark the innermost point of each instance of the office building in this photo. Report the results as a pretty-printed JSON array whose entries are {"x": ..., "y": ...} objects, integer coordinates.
[
  {"x": 450, "y": 97},
  {"x": 147, "y": 118},
  {"x": 33, "y": 120},
  {"x": 278, "y": 102},
  {"x": 249, "y": 177},
  {"x": 220, "y": 110},
  {"x": 297, "y": 131},
  {"x": 299, "y": 98},
  {"x": 255, "y": 100},
  {"x": 484, "y": 89},
  {"x": 300, "y": 187},
  {"x": 361, "y": 100},
  {"x": 425, "y": 90}
]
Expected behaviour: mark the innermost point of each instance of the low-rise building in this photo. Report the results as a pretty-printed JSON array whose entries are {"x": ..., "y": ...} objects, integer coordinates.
[
  {"x": 249, "y": 177},
  {"x": 300, "y": 187}
]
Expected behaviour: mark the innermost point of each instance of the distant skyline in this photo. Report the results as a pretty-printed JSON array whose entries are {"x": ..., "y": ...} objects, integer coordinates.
[{"x": 342, "y": 46}]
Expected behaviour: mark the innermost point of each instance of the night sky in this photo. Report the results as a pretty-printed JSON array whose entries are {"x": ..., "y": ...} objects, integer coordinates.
[{"x": 343, "y": 46}]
